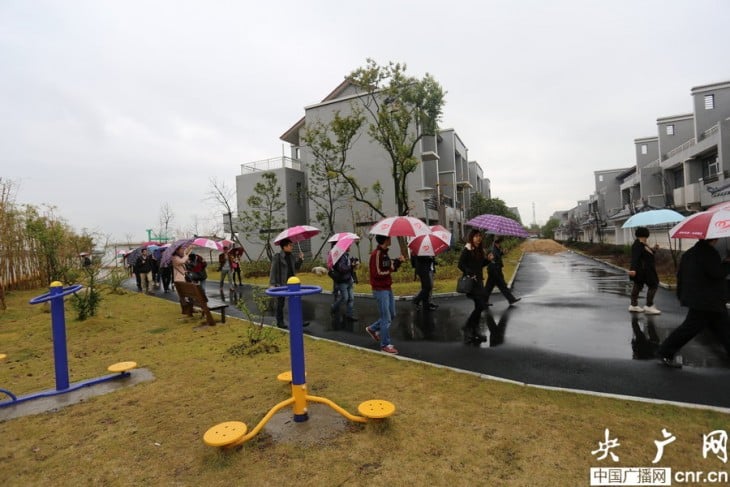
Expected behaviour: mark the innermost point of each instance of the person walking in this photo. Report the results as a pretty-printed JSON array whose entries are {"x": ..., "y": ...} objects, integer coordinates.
[
  {"x": 343, "y": 281},
  {"x": 236, "y": 266},
  {"x": 381, "y": 281},
  {"x": 700, "y": 287},
  {"x": 424, "y": 267},
  {"x": 643, "y": 271},
  {"x": 496, "y": 274},
  {"x": 283, "y": 266},
  {"x": 472, "y": 261},
  {"x": 224, "y": 261},
  {"x": 143, "y": 266}
]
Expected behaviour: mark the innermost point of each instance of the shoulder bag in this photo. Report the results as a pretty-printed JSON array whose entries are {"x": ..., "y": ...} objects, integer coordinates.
[{"x": 465, "y": 284}]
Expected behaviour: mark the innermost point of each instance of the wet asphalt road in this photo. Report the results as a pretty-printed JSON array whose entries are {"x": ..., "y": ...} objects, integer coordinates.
[{"x": 571, "y": 330}]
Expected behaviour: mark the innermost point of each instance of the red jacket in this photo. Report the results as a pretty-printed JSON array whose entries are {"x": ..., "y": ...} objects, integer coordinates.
[{"x": 380, "y": 269}]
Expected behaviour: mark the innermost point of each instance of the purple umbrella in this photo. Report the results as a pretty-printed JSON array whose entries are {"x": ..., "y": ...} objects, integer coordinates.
[
  {"x": 169, "y": 251},
  {"x": 498, "y": 225}
]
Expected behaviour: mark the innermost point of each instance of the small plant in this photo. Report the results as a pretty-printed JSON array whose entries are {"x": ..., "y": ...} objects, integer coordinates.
[
  {"x": 115, "y": 280},
  {"x": 258, "y": 339},
  {"x": 87, "y": 301}
]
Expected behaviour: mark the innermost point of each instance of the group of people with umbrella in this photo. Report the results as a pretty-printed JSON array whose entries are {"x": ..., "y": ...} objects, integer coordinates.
[
  {"x": 424, "y": 243},
  {"x": 702, "y": 284}
]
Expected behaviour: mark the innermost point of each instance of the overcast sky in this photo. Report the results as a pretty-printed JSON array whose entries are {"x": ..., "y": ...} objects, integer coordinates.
[{"x": 110, "y": 109}]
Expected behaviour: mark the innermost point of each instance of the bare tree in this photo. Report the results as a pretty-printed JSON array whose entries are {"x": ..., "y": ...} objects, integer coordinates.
[
  {"x": 223, "y": 196},
  {"x": 166, "y": 218}
]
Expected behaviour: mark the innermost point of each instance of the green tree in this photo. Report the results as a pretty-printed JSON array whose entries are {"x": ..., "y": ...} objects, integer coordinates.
[
  {"x": 548, "y": 230},
  {"x": 330, "y": 175},
  {"x": 264, "y": 214},
  {"x": 493, "y": 206},
  {"x": 402, "y": 109}
]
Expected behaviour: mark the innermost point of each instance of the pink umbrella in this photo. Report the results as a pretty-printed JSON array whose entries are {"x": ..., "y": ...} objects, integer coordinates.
[
  {"x": 498, "y": 225},
  {"x": 338, "y": 250},
  {"x": 705, "y": 224},
  {"x": 297, "y": 233},
  {"x": 432, "y": 244},
  {"x": 400, "y": 226},
  {"x": 208, "y": 243},
  {"x": 339, "y": 236}
]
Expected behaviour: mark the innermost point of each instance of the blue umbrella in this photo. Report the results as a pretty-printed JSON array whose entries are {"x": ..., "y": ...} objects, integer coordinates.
[{"x": 653, "y": 217}]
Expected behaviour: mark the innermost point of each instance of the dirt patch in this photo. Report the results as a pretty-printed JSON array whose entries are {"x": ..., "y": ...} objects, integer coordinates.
[{"x": 542, "y": 246}]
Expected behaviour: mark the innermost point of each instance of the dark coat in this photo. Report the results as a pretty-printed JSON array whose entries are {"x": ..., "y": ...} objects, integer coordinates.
[
  {"x": 280, "y": 269},
  {"x": 472, "y": 263},
  {"x": 701, "y": 281},
  {"x": 643, "y": 262}
]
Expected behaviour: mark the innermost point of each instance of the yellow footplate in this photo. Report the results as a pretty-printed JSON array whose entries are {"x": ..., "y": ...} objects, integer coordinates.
[
  {"x": 284, "y": 376},
  {"x": 225, "y": 434},
  {"x": 121, "y": 366},
  {"x": 376, "y": 408}
]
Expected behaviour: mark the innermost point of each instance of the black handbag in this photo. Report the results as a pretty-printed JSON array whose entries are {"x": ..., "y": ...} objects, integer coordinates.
[{"x": 465, "y": 284}]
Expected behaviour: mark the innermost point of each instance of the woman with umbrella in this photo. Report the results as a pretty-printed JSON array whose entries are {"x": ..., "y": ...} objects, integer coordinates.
[{"x": 472, "y": 261}]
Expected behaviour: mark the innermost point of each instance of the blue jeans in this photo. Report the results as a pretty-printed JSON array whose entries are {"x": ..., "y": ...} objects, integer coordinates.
[
  {"x": 386, "y": 307},
  {"x": 343, "y": 293}
]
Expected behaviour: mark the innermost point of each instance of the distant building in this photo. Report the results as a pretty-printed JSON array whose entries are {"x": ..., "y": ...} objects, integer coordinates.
[
  {"x": 440, "y": 189},
  {"x": 686, "y": 166}
]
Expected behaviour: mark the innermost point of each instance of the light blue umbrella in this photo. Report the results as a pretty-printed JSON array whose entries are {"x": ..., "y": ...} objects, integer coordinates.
[{"x": 653, "y": 217}]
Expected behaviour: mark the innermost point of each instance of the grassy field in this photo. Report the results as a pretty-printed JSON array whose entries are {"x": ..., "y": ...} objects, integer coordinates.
[{"x": 450, "y": 428}]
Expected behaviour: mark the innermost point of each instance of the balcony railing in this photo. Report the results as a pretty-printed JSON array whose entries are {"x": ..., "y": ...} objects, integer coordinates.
[
  {"x": 271, "y": 164},
  {"x": 681, "y": 148},
  {"x": 709, "y": 132}
]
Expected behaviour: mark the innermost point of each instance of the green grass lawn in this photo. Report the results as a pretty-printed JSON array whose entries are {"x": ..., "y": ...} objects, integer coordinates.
[{"x": 450, "y": 428}]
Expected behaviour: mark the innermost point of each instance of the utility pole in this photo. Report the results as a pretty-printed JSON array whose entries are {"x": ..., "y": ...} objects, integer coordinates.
[{"x": 534, "y": 220}]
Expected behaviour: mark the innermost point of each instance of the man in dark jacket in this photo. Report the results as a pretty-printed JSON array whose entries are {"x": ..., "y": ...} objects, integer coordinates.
[
  {"x": 701, "y": 287},
  {"x": 284, "y": 266}
]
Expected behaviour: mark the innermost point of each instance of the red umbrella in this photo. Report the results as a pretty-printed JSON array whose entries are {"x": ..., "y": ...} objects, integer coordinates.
[
  {"x": 297, "y": 233},
  {"x": 432, "y": 244},
  {"x": 705, "y": 224},
  {"x": 400, "y": 226}
]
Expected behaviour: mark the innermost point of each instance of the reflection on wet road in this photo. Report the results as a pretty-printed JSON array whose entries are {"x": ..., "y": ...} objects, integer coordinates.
[{"x": 571, "y": 305}]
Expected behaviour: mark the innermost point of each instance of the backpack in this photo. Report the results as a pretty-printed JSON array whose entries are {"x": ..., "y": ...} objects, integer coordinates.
[{"x": 335, "y": 275}]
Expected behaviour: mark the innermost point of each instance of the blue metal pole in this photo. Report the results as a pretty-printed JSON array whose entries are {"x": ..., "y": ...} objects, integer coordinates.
[
  {"x": 58, "y": 327},
  {"x": 296, "y": 335}
]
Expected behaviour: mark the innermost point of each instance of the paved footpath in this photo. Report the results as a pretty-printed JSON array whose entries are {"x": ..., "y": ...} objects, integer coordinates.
[{"x": 571, "y": 330}]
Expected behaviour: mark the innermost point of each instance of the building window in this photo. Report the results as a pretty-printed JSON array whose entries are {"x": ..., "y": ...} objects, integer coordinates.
[
  {"x": 710, "y": 168},
  {"x": 644, "y": 149},
  {"x": 600, "y": 178},
  {"x": 709, "y": 102},
  {"x": 670, "y": 129}
]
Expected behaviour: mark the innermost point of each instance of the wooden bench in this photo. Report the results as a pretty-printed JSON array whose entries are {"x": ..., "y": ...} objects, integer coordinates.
[{"x": 192, "y": 296}]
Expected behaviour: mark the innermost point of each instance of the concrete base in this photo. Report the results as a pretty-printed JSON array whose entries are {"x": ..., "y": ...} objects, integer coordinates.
[
  {"x": 54, "y": 403},
  {"x": 323, "y": 423}
]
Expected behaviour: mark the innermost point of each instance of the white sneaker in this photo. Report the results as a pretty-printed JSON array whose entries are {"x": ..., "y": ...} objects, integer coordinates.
[
  {"x": 636, "y": 309},
  {"x": 651, "y": 310}
]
